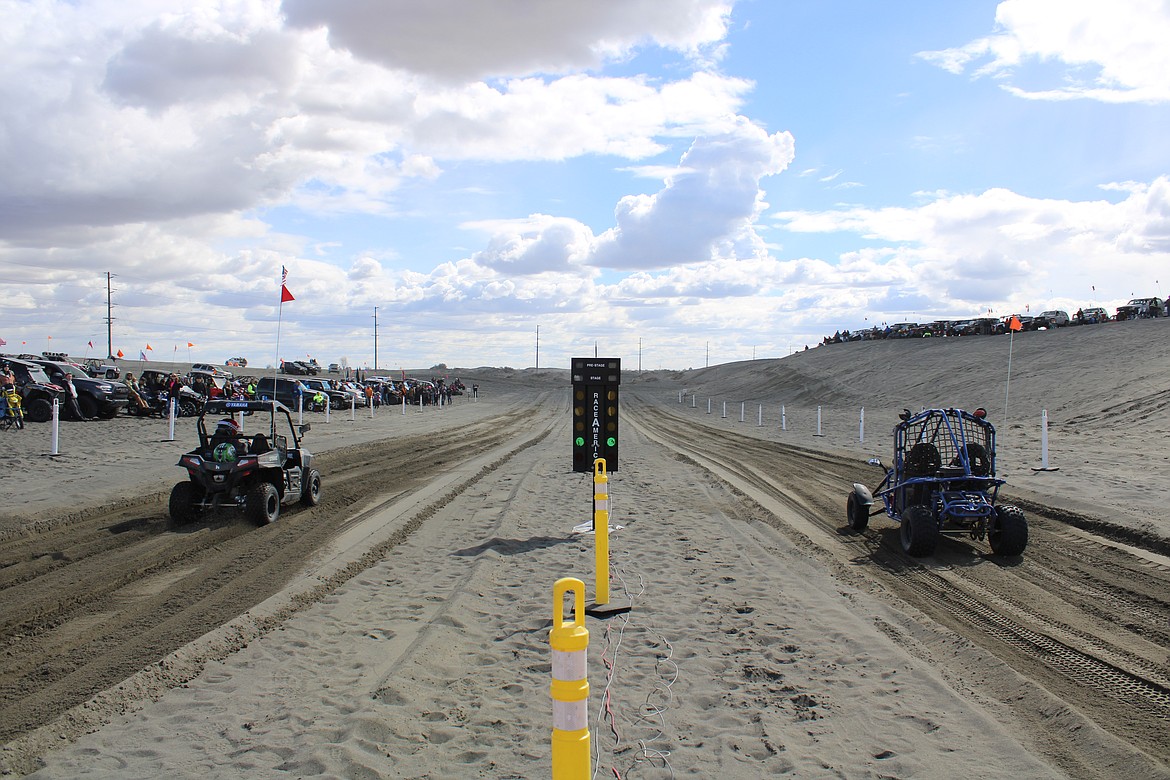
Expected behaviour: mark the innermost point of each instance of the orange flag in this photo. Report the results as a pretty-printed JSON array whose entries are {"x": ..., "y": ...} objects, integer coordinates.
[
  {"x": 1014, "y": 323},
  {"x": 189, "y": 344},
  {"x": 150, "y": 348},
  {"x": 120, "y": 354}
]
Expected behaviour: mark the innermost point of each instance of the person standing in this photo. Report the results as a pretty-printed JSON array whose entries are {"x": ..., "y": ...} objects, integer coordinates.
[{"x": 71, "y": 399}]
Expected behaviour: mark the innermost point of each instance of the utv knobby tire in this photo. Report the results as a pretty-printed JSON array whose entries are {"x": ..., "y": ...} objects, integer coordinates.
[
  {"x": 1009, "y": 531},
  {"x": 182, "y": 504},
  {"x": 857, "y": 512},
  {"x": 919, "y": 531},
  {"x": 262, "y": 504},
  {"x": 311, "y": 488},
  {"x": 922, "y": 460},
  {"x": 38, "y": 410}
]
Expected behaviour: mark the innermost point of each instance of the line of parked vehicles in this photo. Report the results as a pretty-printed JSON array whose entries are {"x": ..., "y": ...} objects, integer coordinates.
[
  {"x": 1137, "y": 308},
  {"x": 102, "y": 393}
]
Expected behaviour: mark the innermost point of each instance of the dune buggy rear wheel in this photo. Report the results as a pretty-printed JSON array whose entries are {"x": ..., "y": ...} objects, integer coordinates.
[
  {"x": 919, "y": 531},
  {"x": 857, "y": 512},
  {"x": 262, "y": 504},
  {"x": 1009, "y": 531}
]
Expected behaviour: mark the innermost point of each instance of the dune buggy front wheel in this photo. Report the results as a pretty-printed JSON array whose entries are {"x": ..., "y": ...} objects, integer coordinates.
[
  {"x": 919, "y": 531},
  {"x": 857, "y": 512},
  {"x": 1009, "y": 531}
]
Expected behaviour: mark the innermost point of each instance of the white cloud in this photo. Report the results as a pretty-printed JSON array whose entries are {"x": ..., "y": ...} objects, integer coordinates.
[
  {"x": 453, "y": 40},
  {"x": 1121, "y": 43},
  {"x": 999, "y": 248},
  {"x": 704, "y": 213}
]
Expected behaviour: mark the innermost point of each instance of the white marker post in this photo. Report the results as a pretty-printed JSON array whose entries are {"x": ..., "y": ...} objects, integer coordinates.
[
  {"x": 783, "y": 418},
  {"x": 760, "y": 421},
  {"x": 724, "y": 410},
  {"x": 171, "y": 418},
  {"x": 352, "y": 408},
  {"x": 1044, "y": 444},
  {"x": 54, "y": 433},
  {"x": 742, "y": 409},
  {"x": 819, "y": 422},
  {"x": 861, "y": 437}
]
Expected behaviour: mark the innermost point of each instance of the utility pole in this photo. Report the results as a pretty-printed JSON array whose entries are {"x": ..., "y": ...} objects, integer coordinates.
[
  {"x": 375, "y": 338},
  {"x": 109, "y": 318}
]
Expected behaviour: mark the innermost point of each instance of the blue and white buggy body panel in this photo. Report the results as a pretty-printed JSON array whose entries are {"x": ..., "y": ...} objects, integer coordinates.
[{"x": 943, "y": 476}]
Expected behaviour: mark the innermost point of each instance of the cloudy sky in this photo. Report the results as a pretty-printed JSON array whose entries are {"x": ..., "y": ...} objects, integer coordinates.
[{"x": 672, "y": 182}]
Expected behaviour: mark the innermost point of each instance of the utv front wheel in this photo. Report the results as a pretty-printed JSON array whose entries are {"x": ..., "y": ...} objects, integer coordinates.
[
  {"x": 1009, "y": 531},
  {"x": 182, "y": 504},
  {"x": 919, "y": 531},
  {"x": 38, "y": 410},
  {"x": 262, "y": 504},
  {"x": 311, "y": 488}
]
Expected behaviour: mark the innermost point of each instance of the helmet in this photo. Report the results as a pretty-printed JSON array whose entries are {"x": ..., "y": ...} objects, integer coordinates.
[
  {"x": 225, "y": 452},
  {"x": 228, "y": 426}
]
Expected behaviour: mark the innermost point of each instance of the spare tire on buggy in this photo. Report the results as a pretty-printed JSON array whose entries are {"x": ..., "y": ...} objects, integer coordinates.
[{"x": 942, "y": 483}]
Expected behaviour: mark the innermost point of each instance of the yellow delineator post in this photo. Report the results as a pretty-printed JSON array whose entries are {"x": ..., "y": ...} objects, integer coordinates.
[
  {"x": 601, "y": 606},
  {"x": 601, "y": 528},
  {"x": 570, "y": 684}
]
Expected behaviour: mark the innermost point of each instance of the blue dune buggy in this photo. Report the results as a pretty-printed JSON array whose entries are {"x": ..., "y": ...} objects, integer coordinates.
[{"x": 942, "y": 483}]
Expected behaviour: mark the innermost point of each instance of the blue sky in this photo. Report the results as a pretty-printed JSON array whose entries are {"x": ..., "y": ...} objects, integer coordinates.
[{"x": 667, "y": 181}]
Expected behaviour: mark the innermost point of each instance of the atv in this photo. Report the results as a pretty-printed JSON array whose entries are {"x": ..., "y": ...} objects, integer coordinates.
[
  {"x": 255, "y": 474},
  {"x": 942, "y": 483}
]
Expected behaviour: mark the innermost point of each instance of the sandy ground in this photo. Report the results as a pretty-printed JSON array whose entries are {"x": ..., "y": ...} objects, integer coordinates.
[{"x": 745, "y": 654}]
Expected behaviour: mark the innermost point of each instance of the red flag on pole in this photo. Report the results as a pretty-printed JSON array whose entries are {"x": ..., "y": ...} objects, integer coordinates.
[
  {"x": 285, "y": 295},
  {"x": 91, "y": 345}
]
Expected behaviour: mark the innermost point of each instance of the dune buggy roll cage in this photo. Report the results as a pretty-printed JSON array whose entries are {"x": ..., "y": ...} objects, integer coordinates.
[{"x": 948, "y": 451}]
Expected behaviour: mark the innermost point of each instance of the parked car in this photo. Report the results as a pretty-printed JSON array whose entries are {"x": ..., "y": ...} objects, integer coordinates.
[
  {"x": 1091, "y": 316},
  {"x": 37, "y": 392},
  {"x": 1054, "y": 318},
  {"x": 338, "y": 399},
  {"x": 95, "y": 397},
  {"x": 294, "y": 368},
  {"x": 238, "y": 362},
  {"x": 99, "y": 370},
  {"x": 210, "y": 369},
  {"x": 285, "y": 390},
  {"x": 1140, "y": 308},
  {"x": 334, "y": 368},
  {"x": 1027, "y": 322}
]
